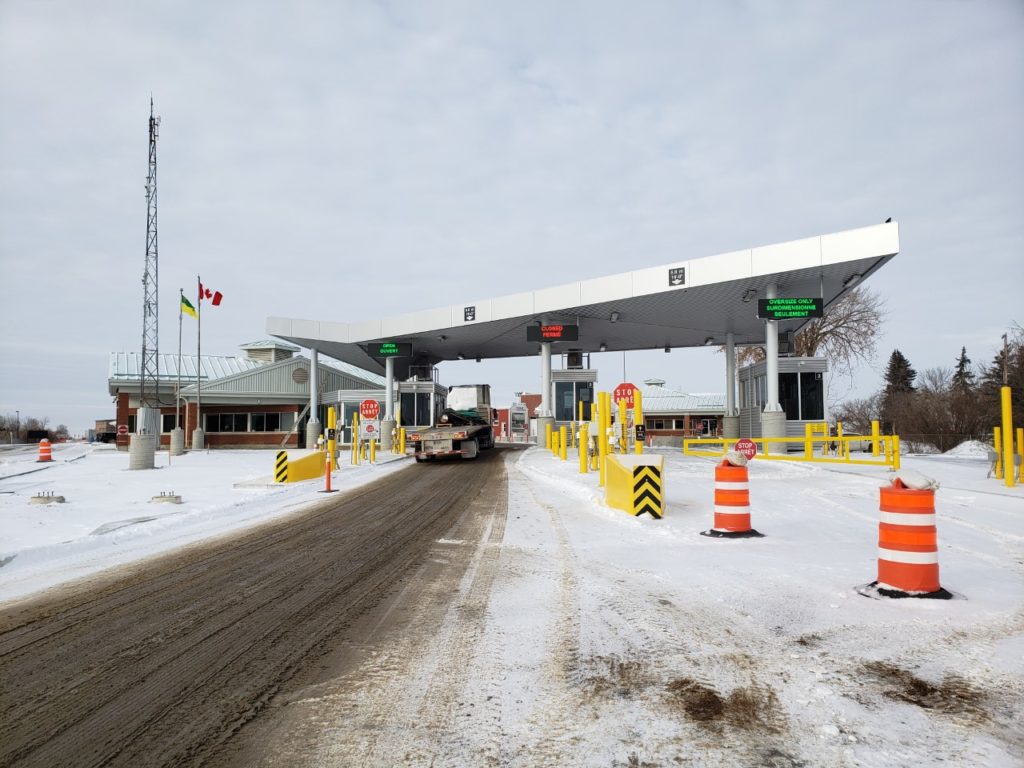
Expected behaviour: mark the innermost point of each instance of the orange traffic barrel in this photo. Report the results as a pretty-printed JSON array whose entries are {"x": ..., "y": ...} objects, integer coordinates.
[
  {"x": 908, "y": 552},
  {"x": 732, "y": 503},
  {"x": 45, "y": 451}
]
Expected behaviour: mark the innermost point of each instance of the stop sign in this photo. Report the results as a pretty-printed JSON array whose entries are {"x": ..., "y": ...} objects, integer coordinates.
[
  {"x": 624, "y": 392},
  {"x": 369, "y": 409},
  {"x": 746, "y": 446},
  {"x": 122, "y": 429}
]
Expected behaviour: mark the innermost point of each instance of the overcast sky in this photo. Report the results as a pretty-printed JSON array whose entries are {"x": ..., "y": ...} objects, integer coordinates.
[{"x": 344, "y": 161}]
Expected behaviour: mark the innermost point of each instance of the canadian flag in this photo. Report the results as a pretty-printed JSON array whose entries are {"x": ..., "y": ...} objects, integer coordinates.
[{"x": 213, "y": 296}]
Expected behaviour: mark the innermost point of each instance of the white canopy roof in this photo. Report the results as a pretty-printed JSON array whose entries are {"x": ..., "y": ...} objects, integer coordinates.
[{"x": 692, "y": 302}]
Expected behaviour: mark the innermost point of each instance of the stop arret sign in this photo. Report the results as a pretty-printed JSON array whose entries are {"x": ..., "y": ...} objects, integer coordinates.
[
  {"x": 624, "y": 392},
  {"x": 369, "y": 409},
  {"x": 747, "y": 447},
  {"x": 122, "y": 429}
]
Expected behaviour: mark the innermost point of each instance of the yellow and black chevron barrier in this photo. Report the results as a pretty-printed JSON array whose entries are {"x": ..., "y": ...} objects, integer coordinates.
[
  {"x": 635, "y": 484},
  {"x": 307, "y": 467},
  {"x": 647, "y": 498}
]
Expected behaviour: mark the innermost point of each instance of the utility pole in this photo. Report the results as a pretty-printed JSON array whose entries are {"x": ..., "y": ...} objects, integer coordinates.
[
  {"x": 149, "y": 384},
  {"x": 1006, "y": 357}
]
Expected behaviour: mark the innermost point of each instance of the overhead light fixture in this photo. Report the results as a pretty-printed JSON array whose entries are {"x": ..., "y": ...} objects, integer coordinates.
[
  {"x": 667, "y": 349},
  {"x": 749, "y": 294},
  {"x": 442, "y": 338},
  {"x": 708, "y": 341},
  {"x": 478, "y": 359},
  {"x": 614, "y": 317},
  {"x": 461, "y": 356},
  {"x": 603, "y": 347},
  {"x": 852, "y": 280}
]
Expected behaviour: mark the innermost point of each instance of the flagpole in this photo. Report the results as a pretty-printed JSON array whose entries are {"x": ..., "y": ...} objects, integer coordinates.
[
  {"x": 177, "y": 394},
  {"x": 199, "y": 358}
]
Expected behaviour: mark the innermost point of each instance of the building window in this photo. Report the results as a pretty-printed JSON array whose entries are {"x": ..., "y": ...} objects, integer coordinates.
[
  {"x": 227, "y": 422},
  {"x": 168, "y": 422},
  {"x": 266, "y": 422},
  {"x": 659, "y": 424},
  {"x": 789, "y": 397},
  {"x": 760, "y": 389},
  {"x": 131, "y": 424},
  {"x": 812, "y": 396},
  {"x": 680, "y": 424}
]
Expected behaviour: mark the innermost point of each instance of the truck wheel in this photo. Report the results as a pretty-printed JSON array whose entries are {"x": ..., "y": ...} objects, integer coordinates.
[{"x": 470, "y": 449}]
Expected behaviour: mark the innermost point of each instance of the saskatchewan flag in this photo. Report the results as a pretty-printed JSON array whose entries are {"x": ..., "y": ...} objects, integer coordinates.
[{"x": 187, "y": 308}]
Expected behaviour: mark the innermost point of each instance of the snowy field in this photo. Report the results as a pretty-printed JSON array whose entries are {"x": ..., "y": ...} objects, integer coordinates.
[{"x": 690, "y": 650}]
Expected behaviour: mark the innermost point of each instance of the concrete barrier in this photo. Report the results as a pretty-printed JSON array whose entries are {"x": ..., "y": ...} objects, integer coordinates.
[{"x": 635, "y": 484}]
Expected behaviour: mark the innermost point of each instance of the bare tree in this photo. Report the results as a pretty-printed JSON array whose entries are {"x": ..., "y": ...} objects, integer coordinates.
[
  {"x": 857, "y": 415},
  {"x": 846, "y": 335}
]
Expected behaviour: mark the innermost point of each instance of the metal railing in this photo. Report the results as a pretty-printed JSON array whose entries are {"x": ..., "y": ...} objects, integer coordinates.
[{"x": 868, "y": 450}]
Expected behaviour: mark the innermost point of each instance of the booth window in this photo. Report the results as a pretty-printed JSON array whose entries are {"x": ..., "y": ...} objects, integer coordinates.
[
  {"x": 266, "y": 422},
  {"x": 812, "y": 396},
  {"x": 227, "y": 422}
]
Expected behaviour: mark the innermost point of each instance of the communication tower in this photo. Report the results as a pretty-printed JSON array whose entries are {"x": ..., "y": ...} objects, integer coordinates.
[{"x": 149, "y": 392}]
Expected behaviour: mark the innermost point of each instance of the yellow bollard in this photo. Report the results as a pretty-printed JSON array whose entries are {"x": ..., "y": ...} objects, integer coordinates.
[
  {"x": 373, "y": 451},
  {"x": 808, "y": 428},
  {"x": 401, "y": 440},
  {"x": 874, "y": 437},
  {"x": 620, "y": 431},
  {"x": 603, "y": 444},
  {"x": 1004, "y": 393},
  {"x": 1020, "y": 450},
  {"x": 563, "y": 442},
  {"x": 896, "y": 453},
  {"x": 997, "y": 441},
  {"x": 584, "y": 445},
  {"x": 332, "y": 437},
  {"x": 547, "y": 436},
  {"x": 355, "y": 438}
]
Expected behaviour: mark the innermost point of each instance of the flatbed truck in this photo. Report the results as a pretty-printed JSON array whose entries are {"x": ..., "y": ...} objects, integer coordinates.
[{"x": 463, "y": 429}]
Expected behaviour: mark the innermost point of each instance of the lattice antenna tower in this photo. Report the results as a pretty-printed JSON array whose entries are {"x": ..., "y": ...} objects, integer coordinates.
[{"x": 149, "y": 393}]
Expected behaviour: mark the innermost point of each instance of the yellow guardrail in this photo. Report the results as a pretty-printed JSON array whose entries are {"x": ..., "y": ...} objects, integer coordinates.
[{"x": 822, "y": 450}]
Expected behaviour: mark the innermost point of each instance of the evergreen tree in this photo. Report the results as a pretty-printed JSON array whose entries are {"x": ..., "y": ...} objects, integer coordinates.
[
  {"x": 897, "y": 396},
  {"x": 963, "y": 376},
  {"x": 964, "y": 406}
]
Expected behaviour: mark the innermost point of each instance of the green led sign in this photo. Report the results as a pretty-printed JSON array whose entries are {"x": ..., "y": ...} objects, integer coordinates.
[
  {"x": 788, "y": 309},
  {"x": 390, "y": 349}
]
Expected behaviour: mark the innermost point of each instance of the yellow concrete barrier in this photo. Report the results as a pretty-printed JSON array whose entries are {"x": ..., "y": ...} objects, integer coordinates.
[
  {"x": 304, "y": 468},
  {"x": 635, "y": 484}
]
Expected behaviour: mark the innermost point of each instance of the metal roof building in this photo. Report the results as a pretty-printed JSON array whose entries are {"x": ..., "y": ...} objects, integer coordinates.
[{"x": 257, "y": 400}]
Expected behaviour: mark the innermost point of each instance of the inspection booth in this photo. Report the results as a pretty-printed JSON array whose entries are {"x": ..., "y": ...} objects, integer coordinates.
[{"x": 802, "y": 394}]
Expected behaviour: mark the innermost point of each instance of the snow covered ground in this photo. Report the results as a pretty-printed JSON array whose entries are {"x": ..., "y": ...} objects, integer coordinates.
[{"x": 687, "y": 649}]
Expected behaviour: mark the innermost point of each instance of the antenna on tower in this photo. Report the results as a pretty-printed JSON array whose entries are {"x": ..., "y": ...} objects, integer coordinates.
[{"x": 149, "y": 390}]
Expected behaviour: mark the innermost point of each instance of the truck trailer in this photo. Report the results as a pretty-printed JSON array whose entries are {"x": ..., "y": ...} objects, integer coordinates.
[{"x": 463, "y": 428}]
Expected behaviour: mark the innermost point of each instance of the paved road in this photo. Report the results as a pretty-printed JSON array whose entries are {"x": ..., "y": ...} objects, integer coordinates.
[{"x": 176, "y": 663}]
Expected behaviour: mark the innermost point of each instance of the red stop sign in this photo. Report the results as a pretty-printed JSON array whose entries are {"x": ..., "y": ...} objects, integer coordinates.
[
  {"x": 746, "y": 446},
  {"x": 624, "y": 392},
  {"x": 369, "y": 409},
  {"x": 122, "y": 429}
]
